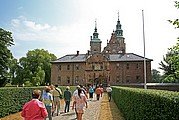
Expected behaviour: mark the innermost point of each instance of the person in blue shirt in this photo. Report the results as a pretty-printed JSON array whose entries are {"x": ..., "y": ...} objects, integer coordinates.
[
  {"x": 48, "y": 101},
  {"x": 91, "y": 91}
]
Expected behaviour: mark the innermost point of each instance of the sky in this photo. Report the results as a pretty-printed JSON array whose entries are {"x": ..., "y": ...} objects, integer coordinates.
[{"x": 64, "y": 26}]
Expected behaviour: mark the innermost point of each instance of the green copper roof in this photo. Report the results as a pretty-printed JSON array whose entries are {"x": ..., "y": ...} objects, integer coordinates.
[{"x": 96, "y": 40}]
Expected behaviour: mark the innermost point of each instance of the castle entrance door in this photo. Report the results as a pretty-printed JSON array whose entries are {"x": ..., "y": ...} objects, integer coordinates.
[{"x": 102, "y": 80}]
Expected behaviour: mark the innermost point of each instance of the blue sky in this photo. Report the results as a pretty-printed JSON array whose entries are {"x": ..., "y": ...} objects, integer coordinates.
[{"x": 65, "y": 26}]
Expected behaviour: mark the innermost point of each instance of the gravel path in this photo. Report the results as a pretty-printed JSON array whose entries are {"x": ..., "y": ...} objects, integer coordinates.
[{"x": 91, "y": 113}]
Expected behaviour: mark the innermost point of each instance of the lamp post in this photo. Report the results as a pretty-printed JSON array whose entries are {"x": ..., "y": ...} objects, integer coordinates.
[{"x": 145, "y": 81}]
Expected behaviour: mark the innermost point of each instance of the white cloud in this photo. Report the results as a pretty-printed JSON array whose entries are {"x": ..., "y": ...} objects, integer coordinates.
[
  {"x": 36, "y": 27},
  {"x": 66, "y": 39},
  {"x": 15, "y": 22},
  {"x": 60, "y": 40}
]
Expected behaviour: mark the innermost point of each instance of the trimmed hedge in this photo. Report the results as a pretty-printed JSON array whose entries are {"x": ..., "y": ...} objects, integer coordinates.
[
  {"x": 12, "y": 99},
  {"x": 141, "y": 104}
]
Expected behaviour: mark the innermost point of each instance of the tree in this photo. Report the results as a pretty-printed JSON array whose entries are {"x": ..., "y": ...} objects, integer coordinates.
[
  {"x": 156, "y": 77},
  {"x": 13, "y": 66},
  {"x": 35, "y": 67},
  {"x": 6, "y": 41},
  {"x": 176, "y": 21},
  {"x": 170, "y": 63}
]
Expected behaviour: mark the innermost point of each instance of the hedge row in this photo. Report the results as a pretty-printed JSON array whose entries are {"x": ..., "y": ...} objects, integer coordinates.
[
  {"x": 12, "y": 99},
  {"x": 141, "y": 104}
]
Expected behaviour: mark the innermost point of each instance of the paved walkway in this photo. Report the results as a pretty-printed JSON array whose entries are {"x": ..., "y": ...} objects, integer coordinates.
[
  {"x": 97, "y": 110},
  {"x": 91, "y": 113}
]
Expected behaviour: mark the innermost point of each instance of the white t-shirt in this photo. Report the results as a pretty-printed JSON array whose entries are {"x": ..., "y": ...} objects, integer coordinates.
[{"x": 109, "y": 89}]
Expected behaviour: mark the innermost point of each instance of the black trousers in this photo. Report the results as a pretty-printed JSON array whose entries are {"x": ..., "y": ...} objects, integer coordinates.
[
  {"x": 97, "y": 95},
  {"x": 67, "y": 106},
  {"x": 109, "y": 96}
]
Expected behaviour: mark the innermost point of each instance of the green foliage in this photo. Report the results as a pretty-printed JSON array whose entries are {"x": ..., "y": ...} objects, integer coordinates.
[
  {"x": 141, "y": 104},
  {"x": 176, "y": 21},
  {"x": 13, "y": 67},
  {"x": 28, "y": 84},
  {"x": 170, "y": 64},
  {"x": 156, "y": 77},
  {"x": 12, "y": 99},
  {"x": 6, "y": 41},
  {"x": 35, "y": 68}
]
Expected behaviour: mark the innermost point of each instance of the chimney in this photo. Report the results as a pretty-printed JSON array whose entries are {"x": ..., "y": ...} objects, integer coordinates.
[
  {"x": 77, "y": 53},
  {"x": 88, "y": 52}
]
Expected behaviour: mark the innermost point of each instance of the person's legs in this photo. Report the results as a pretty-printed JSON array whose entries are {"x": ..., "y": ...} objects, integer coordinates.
[
  {"x": 76, "y": 113},
  {"x": 55, "y": 104},
  {"x": 65, "y": 106},
  {"x": 68, "y": 106},
  {"x": 79, "y": 116},
  {"x": 109, "y": 96},
  {"x": 49, "y": 111},
  {"x": 98, "y": 95},
  {"x": 58, "y": 107}
]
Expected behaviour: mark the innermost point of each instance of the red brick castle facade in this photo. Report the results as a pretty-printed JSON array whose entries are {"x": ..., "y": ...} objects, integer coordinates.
[{"x": 110, "y": 66}]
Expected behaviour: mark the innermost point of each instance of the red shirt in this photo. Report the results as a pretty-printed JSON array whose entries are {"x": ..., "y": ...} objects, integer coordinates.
[
  {"x": 98, "y": 91},
  {"x": 34, "y": 110}
]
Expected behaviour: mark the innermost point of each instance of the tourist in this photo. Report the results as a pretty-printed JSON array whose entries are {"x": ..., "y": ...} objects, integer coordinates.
[
  {"x": 80, "y": 101},
  {"x": 51, "y": 88},
  {"x": 109, "y": 90},
  {"x": 57, "y": 94},
  {"x": 34, "y": 109},
  {"x": 91, "y": 91},
  {"x": 48, "y": 101},
  {"x": 44, "y": 90},
  {"x": 75, "y": 93},
  {"x": 84, "y": 90},
  {"x": 101, "y": 87},
  {"x": 67, "y": 99},
  {"x": 98, "y": 92}
]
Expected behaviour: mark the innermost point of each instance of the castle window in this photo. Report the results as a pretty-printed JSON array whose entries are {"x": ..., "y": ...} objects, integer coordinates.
[
  {"x": 117, "y": 79},
  {"x": 77, "y": 79},
  {"x": 101, "y": 66},
  {"x": 77, "y": 66},
  {"x": 128, "y": 79},
  {"x": 68, "y": 67},
  {"x": 137, "y": 65},
  {"x": 120, "y": 51},
  {"x": 59, "y": 67},
  {"x": 59, "y": 79},
  {"x": 127, "y": 66},
  {"x": 117, "y": 66},
  {"x": 137, "y": 78},
  {"x": 93, "y": 67},
  {"x": 68, "y": 80},
  {"x": 113, "y": 50}
]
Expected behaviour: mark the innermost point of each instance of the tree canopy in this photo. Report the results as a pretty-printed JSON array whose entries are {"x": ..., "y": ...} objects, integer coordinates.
[
  {"x": 170, "y": 63},
  {"x": 176, "y": 21},
  {"x": 6, "y": 41},
  {"x": 156, "y": 77},
  {"x": 35, "y": 68}
]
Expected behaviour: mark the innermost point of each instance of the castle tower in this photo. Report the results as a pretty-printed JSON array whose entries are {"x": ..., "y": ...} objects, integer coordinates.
[
  {"x": 116, "y": 43},
  {"x": 95, "y": 43}
]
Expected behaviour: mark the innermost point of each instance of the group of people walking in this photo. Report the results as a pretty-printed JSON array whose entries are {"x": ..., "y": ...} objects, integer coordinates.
[{"x": 49, "y": 104}]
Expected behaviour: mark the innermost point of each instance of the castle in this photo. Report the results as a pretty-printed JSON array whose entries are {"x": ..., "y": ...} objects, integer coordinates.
[{"x": 112, "y": 65}]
